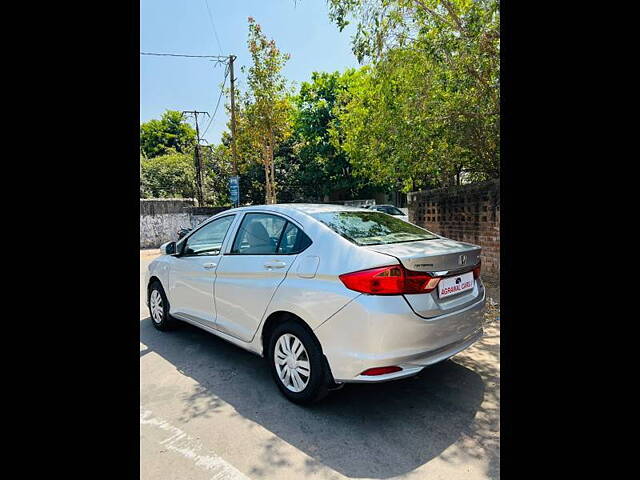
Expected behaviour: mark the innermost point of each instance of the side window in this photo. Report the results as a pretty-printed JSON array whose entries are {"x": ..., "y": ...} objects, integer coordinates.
[
  {"x": 294, "y": 240},
  {"x": 208, "y": 240},
  {"x": 258, "y": 234}
]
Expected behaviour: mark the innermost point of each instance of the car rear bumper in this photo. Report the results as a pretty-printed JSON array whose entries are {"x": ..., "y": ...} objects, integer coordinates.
[{"x": 380, "y": 331}]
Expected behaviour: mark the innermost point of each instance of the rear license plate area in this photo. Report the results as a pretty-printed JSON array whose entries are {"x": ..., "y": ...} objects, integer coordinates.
[{"x": 455, "y": 285}]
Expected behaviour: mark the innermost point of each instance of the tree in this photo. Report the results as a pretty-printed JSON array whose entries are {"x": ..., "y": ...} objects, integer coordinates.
[
  {"x": 143, "y": 181},
  {"x": 264, "y": 116},
  {"x": 168, "y": 176},
  {"x": 325, "y": 166},
  {"x": 427, "y": 109},
  {"x": 173, "y": 175},
  {"x": 171, "y": 132},
  {"x": 217, "y": 171}
]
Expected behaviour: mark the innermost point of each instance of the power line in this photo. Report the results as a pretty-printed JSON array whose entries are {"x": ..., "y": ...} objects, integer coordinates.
[
  {"x": 220, "y": 58},
  {"x": 226, "y": 74},
  {"x": 214, "y": 26}
]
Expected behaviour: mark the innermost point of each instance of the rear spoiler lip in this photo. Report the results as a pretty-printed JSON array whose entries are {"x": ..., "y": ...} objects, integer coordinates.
[
  {"x": 443, "y": 273},
  {"x": 458, "y": 271}
]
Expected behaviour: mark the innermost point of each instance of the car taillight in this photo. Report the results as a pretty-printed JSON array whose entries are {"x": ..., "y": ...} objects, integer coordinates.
[
  {"x": 391, "y": 280},
  {"x": 476, "y": 270}
]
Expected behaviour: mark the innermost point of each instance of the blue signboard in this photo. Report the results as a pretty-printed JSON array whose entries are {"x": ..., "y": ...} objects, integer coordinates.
[{"x": 234, "y": 190}]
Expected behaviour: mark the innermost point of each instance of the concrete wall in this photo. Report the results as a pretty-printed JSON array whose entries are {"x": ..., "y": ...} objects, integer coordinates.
[
  {"x": 157, "y": 229},
  {"x": 160, "y": 219},
  {"x": 160, "y": 206},
  {"x": 469, "y": 213}
]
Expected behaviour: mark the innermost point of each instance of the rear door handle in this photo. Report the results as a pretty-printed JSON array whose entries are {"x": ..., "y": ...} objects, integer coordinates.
[
  {"x": 275, "y": 264},
  {"x": 209, "y": 266}
]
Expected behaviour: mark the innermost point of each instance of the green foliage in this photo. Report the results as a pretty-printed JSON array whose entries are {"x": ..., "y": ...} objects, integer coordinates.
[
  {"x": 171, "y": 132},
  {"x": 309, "y": 163},
  {"x": 325, "y": 167},
  {"x": 167, "y": 166},
  {"x": 217, "y": 170},
  {"x": 427, "y": 109},
  {"x": 168, "y": 176},
  {"x": 173, "y": 175}
]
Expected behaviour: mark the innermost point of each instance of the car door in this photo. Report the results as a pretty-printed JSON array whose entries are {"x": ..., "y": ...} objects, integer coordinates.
[
  {"x": 193, "y": 270},
  {"x": 264, "y": 248}
]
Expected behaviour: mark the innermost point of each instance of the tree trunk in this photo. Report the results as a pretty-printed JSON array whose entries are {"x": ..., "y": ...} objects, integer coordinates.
[
  {"x": 273, "y": 168},
  {"x": 267, "y": 191},
  {"x": 267, "y": 183}
]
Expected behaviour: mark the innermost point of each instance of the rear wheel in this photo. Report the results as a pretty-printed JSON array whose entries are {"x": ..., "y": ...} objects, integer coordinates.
[
  {"x": 159, "y": 308},
  {"x": 297, "y": 363}
]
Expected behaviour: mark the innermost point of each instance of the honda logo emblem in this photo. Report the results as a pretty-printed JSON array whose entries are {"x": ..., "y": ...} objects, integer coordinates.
[{"x": 462, "y": 260}]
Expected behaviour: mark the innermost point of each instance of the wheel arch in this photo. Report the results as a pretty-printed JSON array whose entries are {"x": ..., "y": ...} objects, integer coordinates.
[
  {"x": 278, "y": 317},
  {"x": 281, "y": 316},
  {"x": 153, "y": 279}
]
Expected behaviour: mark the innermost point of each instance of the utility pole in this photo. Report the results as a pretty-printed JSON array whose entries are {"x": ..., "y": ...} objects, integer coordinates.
[
  {"x": 233, "y": 116},
  {"x": 234, "y": 185},
  {"x": 198, "y": 158}
]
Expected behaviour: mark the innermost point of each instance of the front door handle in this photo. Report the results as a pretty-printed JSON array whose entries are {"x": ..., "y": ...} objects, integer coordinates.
[
  {"x": 209, "y": 266},
  {"x": 275, "y": 264}
]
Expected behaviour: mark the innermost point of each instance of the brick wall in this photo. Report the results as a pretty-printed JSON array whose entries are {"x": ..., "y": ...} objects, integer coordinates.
[{"x": 469, "y": 213}]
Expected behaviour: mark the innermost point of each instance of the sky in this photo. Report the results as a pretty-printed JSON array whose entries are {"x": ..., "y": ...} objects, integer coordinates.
[{"x": 300, "y": 28}]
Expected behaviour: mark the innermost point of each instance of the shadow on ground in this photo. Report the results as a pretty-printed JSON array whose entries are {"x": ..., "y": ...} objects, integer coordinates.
[{"x": 375, "y": 431}]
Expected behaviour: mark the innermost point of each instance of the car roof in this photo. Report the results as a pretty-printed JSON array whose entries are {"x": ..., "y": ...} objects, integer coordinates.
[
  {"x": 296, "y": 211},
  {"x": 299, "y": 212}
]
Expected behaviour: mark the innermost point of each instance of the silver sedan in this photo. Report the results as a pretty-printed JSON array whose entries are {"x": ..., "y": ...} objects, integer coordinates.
[{"x": 327, "y": 294}]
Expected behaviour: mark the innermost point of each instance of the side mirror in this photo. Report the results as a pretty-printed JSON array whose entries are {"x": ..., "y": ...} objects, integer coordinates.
[{"x": 168, "y": 248}]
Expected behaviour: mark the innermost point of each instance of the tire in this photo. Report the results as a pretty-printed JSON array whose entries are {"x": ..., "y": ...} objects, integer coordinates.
[
  {"x": 309, "y": 362},
  {"x": 160, "y": 317}
]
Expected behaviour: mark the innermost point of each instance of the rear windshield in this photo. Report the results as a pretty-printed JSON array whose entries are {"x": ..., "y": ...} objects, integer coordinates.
[{"x": 372, "y": 228}]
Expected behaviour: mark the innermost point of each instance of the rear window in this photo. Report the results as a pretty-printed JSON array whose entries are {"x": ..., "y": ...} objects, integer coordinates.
[{"x": 372, "y": 228}]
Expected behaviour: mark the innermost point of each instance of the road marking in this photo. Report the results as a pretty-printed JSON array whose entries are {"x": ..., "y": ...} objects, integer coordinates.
[{"x": 180, "y": 442}]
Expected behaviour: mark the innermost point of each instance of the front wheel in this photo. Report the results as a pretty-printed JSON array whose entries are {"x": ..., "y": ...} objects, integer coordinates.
[
  {"x": 159, "y": 308},
  {"x": 297, "y": 364}
]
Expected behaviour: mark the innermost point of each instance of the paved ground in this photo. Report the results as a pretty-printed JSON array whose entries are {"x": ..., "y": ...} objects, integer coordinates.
[{"x": 209, "y": 410}]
